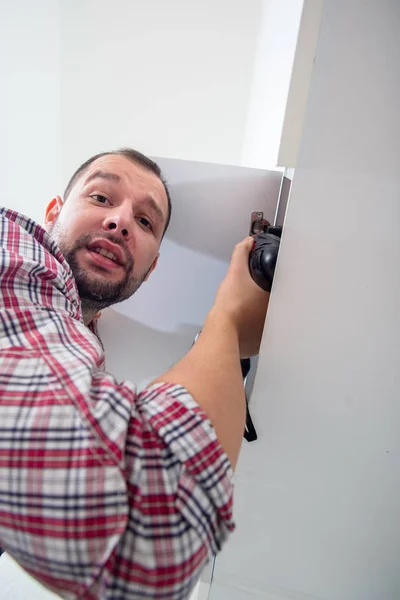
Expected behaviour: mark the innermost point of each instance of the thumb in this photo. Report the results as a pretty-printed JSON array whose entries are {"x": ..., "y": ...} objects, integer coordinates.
[{"x": 240, "y": 255}]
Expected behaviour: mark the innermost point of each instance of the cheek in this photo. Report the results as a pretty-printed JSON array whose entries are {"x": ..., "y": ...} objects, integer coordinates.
[
  {"x": 145, "y": 252},
  {"x": 76, "y": 222},
  {"x": 150, "y": 246}
]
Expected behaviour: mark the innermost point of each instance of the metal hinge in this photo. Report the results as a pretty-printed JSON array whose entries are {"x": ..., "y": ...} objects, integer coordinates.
[{"x": 257, "y": 222}]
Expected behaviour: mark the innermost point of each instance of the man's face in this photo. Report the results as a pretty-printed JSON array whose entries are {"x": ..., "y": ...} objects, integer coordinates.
[{"x": 110, "y": 229}]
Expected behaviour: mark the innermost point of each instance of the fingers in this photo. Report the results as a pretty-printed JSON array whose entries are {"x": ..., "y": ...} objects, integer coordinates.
[
  {"x": 240, "y": 255},
  {"x": 243, "y": 248},
  {"x": 248, "y": 242}
]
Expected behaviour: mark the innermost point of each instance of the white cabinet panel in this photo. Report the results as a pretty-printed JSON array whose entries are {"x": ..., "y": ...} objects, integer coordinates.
[
  {"x": 318, "y": 496},
  {"x": 211, "y": 211}
]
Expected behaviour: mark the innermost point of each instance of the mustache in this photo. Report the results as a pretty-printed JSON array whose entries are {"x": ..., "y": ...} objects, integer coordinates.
[{"x": 86, "y": 239}]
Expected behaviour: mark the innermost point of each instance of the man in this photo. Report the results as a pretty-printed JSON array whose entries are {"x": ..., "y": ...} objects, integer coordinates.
[{"x": 106, "y": 492}]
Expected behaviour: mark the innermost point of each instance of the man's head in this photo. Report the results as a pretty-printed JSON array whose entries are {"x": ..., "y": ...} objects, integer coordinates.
[{"x": 109, "y": 227}]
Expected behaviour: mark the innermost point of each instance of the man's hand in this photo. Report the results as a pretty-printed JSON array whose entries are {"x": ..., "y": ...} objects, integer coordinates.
[
  {"x": 211, "y": 370},
  {"x": 241, "y": 300}
]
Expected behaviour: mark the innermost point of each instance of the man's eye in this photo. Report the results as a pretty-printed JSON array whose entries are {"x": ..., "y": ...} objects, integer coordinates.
[
  {"x": 146, "y": 223},
  {"x": 100, "y": 199}
]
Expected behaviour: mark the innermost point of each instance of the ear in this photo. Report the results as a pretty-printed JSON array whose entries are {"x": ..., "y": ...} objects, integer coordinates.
[
  {"x": 153, "y": 266},
  {"x": 52, "y": 211}
]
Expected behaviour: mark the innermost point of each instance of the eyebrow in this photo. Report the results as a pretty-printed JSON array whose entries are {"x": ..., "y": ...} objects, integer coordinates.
[
  {"x": 103, "y": 175},
  {"x": 114, "y": 177},
  {"x": 154, "y": 206}
]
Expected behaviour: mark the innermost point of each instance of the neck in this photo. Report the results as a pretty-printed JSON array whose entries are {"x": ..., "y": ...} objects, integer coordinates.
[{"x": 88, "y": 314}]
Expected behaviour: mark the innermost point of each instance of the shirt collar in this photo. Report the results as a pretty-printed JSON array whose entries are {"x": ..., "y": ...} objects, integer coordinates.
[{"x": 38, "y": 233}]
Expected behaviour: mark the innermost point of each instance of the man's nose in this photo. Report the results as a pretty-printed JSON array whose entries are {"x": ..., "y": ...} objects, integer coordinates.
[{"x": 118, "y": 223}]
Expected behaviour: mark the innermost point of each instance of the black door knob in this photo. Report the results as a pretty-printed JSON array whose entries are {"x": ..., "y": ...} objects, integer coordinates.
[{"x": 262, "y": 259}]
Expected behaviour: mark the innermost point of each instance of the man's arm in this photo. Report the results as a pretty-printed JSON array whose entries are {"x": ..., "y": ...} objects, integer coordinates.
[
  {"x": 211, "y": 370},
  {"x": 103, "y": 490}
]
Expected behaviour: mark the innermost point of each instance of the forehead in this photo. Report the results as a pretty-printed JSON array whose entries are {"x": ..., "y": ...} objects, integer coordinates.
[{"x": 134, "y": 179}]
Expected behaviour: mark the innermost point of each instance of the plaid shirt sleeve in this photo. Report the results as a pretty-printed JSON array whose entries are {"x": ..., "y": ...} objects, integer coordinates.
[{"x": 105, "y": 493}]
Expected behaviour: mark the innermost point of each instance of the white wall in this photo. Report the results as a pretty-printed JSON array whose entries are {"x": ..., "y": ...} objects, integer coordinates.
[
  {"x": 318, "y": 498},
  {"x": 276, "y": 45},
  {"x": 30, "y": 144},
  {"x": 170, "y": 78},
  {"x": 303, "y": 66},
  {"x": 202, "y": 81}
]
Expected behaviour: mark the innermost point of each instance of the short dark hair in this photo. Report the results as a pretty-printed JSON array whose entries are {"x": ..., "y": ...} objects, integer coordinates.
[{"x": 137, "y": 158}]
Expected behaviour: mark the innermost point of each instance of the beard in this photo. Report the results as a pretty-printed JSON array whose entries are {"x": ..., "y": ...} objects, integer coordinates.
[{"x": 95, "y": 290}]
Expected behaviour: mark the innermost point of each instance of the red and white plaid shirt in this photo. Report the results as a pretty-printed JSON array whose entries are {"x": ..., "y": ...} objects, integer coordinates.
[{"x": 104, "y": 492}]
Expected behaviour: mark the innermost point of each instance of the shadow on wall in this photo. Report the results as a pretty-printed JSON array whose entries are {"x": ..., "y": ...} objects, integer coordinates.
[{"x": 139, "y": 353}]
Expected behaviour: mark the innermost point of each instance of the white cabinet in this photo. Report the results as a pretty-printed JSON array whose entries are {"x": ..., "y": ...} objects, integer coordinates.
[
  {"x": 318, "y": 496},
  {"x": 211, "y": 208}
]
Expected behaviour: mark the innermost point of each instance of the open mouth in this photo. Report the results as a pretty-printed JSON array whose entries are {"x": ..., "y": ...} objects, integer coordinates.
[{"x": 104, "y": 258}]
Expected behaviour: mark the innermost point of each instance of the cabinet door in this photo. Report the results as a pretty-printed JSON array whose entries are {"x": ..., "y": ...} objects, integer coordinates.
[
  {"x": 211, "y": 208},
  {"x": 318, "y": 495}
]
